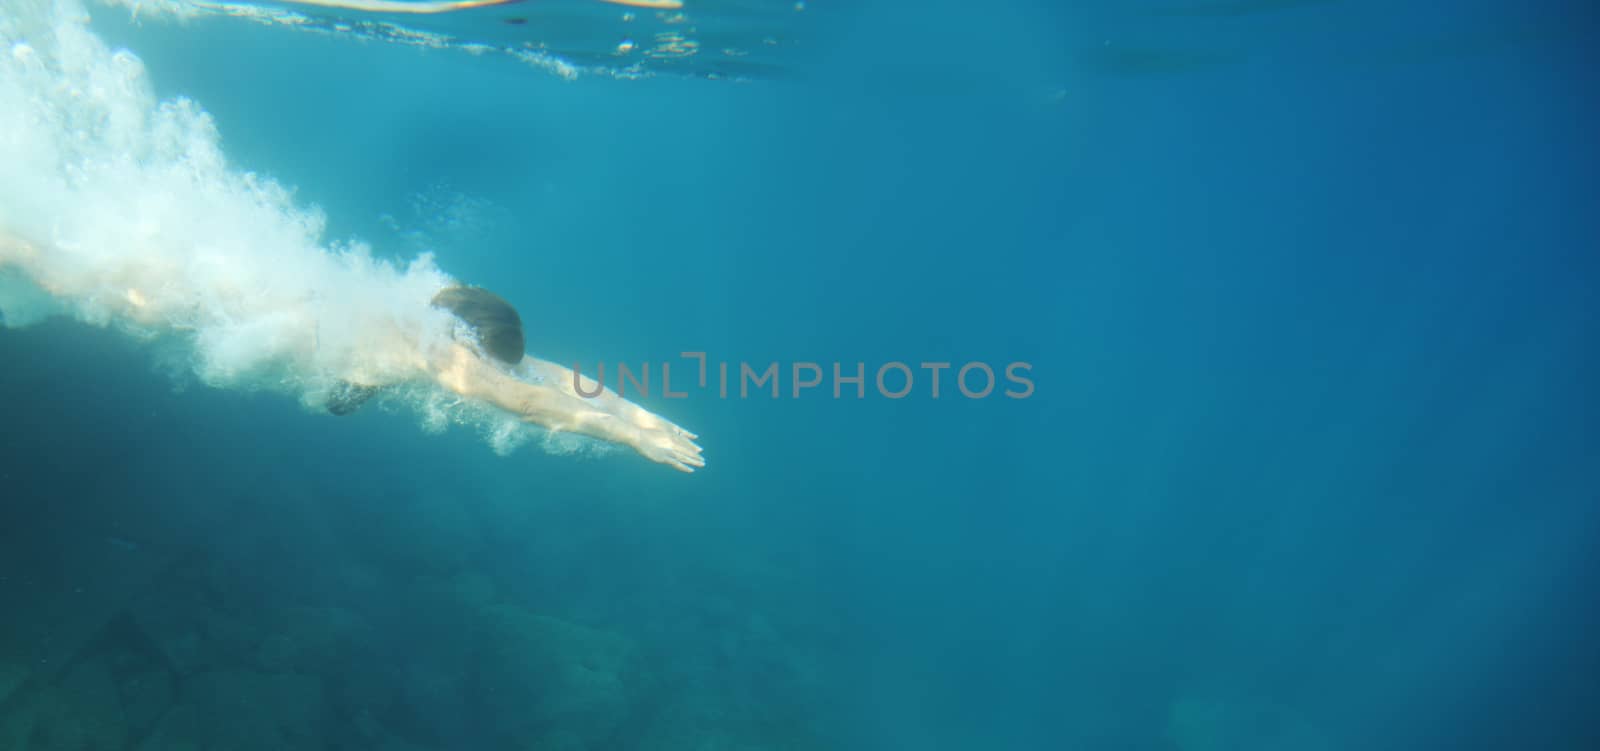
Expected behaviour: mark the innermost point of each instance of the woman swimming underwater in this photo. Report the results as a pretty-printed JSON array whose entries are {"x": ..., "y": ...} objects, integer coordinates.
[
  {"x": 351, "y": 329},
  {"x": 120, "y": 209},
  {"x": 486, "y": 361}
]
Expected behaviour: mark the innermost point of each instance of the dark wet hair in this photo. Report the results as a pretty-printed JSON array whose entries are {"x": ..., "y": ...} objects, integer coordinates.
[
  {"x": 496, "y": 323},
  {"x": 347, "y": 397}
]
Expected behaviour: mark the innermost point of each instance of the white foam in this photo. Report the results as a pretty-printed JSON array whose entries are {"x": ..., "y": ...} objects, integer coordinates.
[{"x": 121, "y": 210}]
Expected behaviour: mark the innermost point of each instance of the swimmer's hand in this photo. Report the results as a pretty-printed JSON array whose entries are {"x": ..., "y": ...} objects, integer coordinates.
[
  {"x": 658, "y": 439},
  {"x": 671, "y": 445}
]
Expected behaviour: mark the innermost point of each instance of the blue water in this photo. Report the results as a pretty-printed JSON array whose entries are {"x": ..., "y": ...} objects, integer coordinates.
[{"x": 1308, "y": 290}]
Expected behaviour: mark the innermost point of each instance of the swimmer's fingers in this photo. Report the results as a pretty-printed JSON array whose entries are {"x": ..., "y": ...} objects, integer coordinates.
[
  {"x": 684, "y": 463},
  {"x": 686, "y": 457},
  {"x": 665, "y": 446}
]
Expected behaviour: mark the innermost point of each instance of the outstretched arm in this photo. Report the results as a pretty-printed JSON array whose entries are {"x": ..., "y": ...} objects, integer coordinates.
[
  {"x": 555, "y": 405},
  {"x": 563, "y": 379}
]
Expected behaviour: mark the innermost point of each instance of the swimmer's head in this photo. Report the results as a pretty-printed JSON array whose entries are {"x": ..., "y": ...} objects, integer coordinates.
[{"x": 491, "y": 318}]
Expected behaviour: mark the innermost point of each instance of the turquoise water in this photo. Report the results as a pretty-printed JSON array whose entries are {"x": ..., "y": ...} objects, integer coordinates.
[{"x": 1306, "y": 288}]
